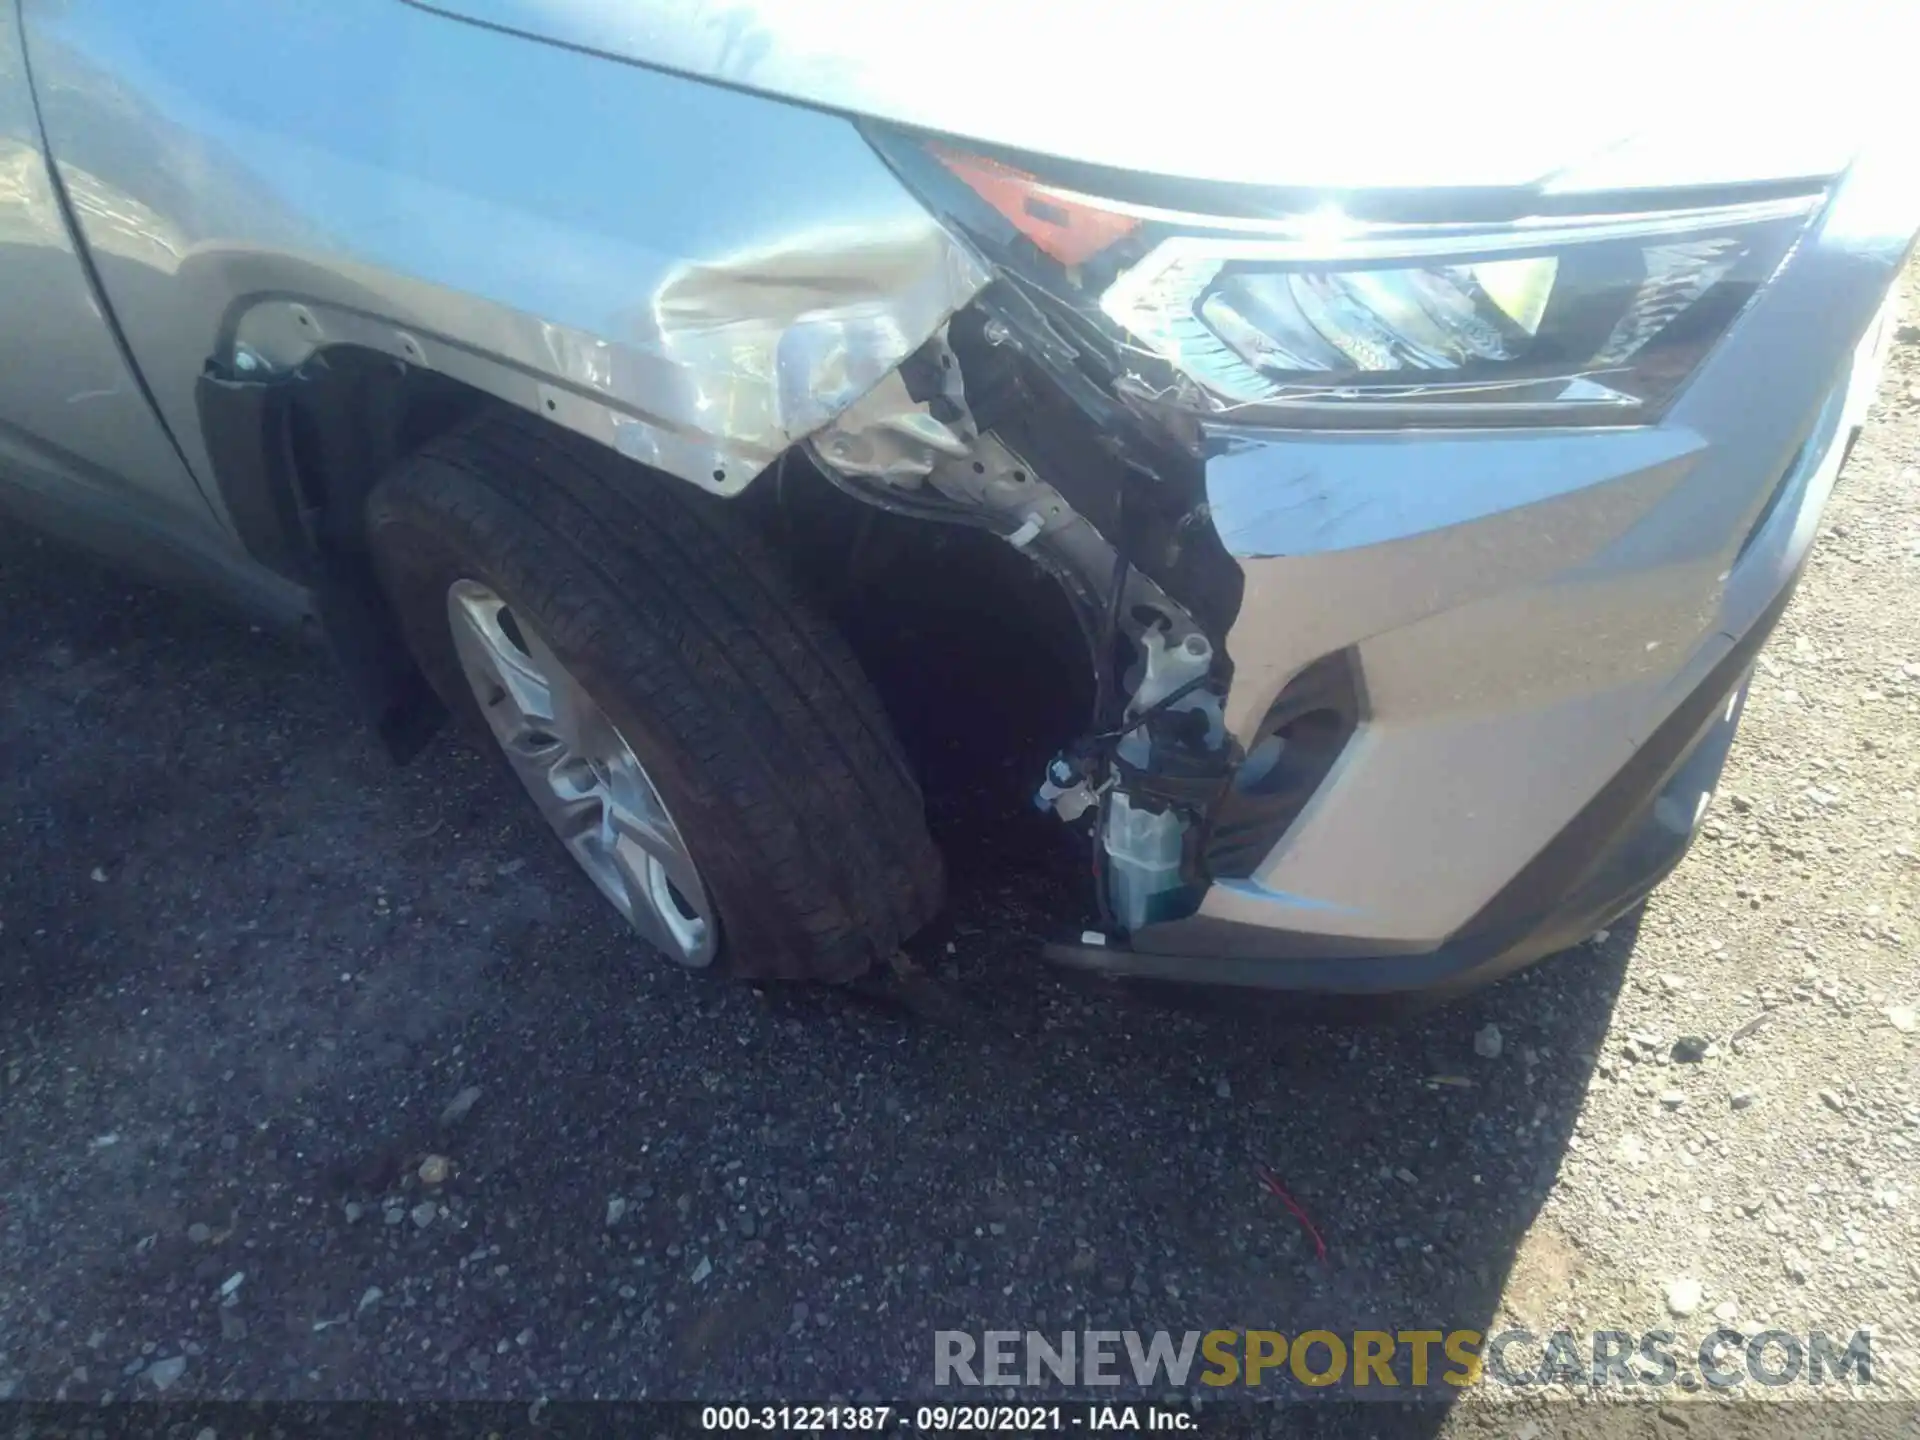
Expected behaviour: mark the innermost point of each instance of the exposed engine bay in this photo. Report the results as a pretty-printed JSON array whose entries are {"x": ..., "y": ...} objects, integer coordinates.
[{"x": 955, "y": 435}]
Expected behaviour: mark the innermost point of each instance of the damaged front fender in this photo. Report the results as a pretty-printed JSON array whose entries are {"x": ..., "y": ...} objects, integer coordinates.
[
  {"x": 780, "y": 340},
  {"x": 696, "y": 277}
]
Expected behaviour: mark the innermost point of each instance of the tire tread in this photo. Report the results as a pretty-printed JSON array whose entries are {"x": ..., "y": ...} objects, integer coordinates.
[{"x": 695, "y": 621}]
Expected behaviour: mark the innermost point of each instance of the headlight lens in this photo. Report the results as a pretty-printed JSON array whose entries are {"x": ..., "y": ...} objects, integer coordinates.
[
  {"x": 1317, "y": 319},
  {"x": 1599, "y": 319}
]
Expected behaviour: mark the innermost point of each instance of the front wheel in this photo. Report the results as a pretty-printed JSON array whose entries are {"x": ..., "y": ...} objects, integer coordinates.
[{"x": 698, "y": 737}]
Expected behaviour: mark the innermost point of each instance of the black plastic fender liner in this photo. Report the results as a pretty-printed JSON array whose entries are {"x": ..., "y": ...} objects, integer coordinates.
[
  {"x": 249, "y": 427},
  {"x": 359, "y": 627},
  {"x": 244, "y": 425}
]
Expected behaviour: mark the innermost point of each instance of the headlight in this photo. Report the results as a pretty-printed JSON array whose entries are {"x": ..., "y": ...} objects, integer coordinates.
[
  {"x": 1320, "y": 319},
  {"x": 1604, "y": 316}
]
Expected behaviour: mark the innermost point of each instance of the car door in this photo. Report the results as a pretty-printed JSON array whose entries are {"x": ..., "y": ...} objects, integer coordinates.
[{"x": 81, "y": 447}]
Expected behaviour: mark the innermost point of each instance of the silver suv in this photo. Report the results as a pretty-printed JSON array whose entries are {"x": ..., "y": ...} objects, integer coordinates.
[{"x": 1408, "y": 433}]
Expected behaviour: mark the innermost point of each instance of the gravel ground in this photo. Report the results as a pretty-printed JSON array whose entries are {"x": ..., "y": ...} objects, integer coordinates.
[{"x": 252, "y": 978}]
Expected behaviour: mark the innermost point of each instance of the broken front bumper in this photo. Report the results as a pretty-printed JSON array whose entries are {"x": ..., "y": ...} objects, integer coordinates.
[
  {"x": 1393, "y": 709},
  {"x": 1615, "y": 850},
  {"x": 1550, "y": 637}
]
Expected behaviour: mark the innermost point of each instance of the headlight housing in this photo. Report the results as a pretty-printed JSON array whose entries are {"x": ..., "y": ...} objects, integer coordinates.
[{"x": 1319, "y": 319}]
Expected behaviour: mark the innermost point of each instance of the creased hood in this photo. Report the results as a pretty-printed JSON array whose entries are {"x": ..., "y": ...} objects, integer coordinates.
[{"x": 1630, "y": 95}]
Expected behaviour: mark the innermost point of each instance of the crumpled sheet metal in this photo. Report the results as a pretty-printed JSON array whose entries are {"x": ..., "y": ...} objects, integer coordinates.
[
  {"x": 733, "y": 361},
  {"x": 890, "y": 436},
  {"x": 764, "y": 349},
  {"x": 695, "y": 276}
]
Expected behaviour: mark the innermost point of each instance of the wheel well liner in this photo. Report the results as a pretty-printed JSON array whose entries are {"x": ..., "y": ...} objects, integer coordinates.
[{"x": 295, "y": 454}]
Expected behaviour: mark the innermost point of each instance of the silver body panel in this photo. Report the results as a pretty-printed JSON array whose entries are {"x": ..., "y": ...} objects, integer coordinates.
[
  {"x": 700, "y": 276},
  {"x": 693, "y": 276},
  {"x": 1527, "y": 607},
  {"x": 71, "y": 410},
  {"x": 1473, "y": 93}
]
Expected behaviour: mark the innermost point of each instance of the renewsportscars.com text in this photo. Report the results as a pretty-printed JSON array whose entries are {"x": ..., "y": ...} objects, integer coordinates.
[{"x": 1381, "y": 1361}]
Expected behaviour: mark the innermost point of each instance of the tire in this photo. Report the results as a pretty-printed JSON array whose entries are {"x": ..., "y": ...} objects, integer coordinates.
[{"x": 746, "y": 709}]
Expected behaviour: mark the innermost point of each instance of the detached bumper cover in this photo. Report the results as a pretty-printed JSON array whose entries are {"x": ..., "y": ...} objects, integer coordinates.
[
  {"x": 1625, "y": 842},
  {"x": 1552, "y": 631}
]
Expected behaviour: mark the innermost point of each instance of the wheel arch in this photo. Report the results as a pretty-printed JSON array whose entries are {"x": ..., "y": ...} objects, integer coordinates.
[
  {"x": 294, "y": 454},
  {"x": 693, "y": 276}
]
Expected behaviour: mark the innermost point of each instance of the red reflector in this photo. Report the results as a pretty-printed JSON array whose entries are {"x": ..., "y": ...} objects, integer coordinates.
[{"x": 1068, "y": 229}]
